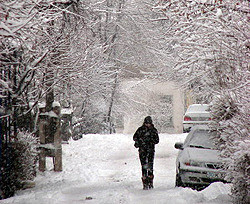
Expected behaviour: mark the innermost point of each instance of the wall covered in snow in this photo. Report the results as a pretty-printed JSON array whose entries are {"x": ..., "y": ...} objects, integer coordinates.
[{"x": 163, "y": 101}]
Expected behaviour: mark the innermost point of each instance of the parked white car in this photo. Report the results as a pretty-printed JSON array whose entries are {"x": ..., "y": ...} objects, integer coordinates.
[
  {"x": 198, "y": 163},
  {"x": 196, "y": 114}
]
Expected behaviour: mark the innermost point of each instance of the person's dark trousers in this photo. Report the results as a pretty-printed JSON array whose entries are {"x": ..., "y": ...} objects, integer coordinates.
[{"x": 147, "y": 161}]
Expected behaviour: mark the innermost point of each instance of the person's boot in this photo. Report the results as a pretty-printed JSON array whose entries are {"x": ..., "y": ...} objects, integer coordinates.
[
  {"x": 150, "y": 181},
  {"x": 145, "y": 182}
]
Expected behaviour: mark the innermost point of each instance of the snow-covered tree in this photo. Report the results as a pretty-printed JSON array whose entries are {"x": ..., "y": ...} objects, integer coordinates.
[
  {"x": 26, "y": 34},
  {"x": 210, "y": 47},
  {"x": 30, "y": 39},
  {"x": 119, "y": 45}
]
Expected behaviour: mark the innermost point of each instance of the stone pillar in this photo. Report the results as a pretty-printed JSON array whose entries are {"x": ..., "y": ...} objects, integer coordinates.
[
  {"x": 58, "y": 146},
  {"x": 50, "y": 138},
  {"x": 42, "y": 155}
]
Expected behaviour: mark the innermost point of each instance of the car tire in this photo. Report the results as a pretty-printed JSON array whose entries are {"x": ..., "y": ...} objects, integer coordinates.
[
  {"x": 178, "y": 181},
  {"x": 186, "y": 130}
]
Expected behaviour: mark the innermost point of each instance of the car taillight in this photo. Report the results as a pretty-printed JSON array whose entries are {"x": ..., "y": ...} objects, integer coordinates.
[
  {"x": 187, "y": 118},
  {"x": 187, "y": 163}
]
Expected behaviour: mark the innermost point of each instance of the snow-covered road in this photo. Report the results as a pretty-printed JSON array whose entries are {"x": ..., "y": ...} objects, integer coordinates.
[{"x": 105, "y": 169}]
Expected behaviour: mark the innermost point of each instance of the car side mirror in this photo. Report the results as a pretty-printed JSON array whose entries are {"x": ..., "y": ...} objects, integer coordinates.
[{"x": 179, "y": 145}]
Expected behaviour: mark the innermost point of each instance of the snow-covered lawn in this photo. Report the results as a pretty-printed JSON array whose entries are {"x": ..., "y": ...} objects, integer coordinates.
[{"x": 105, "y": 169}]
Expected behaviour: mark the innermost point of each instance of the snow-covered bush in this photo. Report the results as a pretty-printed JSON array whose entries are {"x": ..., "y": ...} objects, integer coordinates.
[
  {"x": 231, "y": 120},
  {"x": 240, "y": 172},
  {"x": 27, "y": 151},
  {"x": 19, "y": 163},
  {"x": 92, "y": 120}
]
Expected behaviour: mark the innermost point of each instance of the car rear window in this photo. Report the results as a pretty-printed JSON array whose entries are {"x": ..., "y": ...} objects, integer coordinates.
[
  {"x": 201, "y": 139},
  {"x": 198, "y": 108}
]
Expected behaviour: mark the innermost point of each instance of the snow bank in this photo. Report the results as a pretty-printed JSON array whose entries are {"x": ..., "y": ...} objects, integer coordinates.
[{"x": 217, "y": 192}]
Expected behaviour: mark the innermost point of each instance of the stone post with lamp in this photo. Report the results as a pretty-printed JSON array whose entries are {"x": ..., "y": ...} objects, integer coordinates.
[{"x": 50, "y": 137}]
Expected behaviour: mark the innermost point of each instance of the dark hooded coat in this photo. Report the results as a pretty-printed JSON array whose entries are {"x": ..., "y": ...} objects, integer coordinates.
[{"x": 146, "y": 137}]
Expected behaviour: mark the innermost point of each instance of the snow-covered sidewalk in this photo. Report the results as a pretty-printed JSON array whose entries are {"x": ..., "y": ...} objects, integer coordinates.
[{"x": 105, "y": 169}]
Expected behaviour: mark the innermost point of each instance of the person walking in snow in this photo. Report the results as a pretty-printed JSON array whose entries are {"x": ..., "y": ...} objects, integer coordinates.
[{"x": 145, "y": 139}]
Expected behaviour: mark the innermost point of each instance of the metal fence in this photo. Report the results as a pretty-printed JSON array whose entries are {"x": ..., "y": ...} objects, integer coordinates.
[{"x": 5, "y": 130}]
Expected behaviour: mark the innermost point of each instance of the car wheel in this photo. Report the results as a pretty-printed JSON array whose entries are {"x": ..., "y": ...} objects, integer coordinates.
[
  {"x": 178, "y": 181},
  {"x": 186, "y": 130}
]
